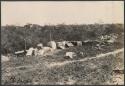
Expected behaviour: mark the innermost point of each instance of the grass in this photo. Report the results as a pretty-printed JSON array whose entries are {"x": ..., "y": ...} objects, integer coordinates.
[{"x": 34, "y": 70}]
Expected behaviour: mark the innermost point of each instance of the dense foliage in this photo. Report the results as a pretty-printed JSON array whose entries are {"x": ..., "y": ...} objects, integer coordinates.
[{"x": 13, "y": 37}]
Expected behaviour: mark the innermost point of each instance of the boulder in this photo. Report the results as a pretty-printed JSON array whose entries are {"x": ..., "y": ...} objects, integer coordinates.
[
  {"x": 70, "y": 54},
  {"x": 4, "y": 58}
]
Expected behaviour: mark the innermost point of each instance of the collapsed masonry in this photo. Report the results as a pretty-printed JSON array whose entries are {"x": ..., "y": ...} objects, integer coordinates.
[{"x": 52, "y": 45}]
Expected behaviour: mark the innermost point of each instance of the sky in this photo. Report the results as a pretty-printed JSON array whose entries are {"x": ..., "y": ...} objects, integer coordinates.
[{"x": 58, "y": 12}]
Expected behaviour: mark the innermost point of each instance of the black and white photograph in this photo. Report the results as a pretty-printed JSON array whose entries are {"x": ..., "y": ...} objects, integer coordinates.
[{"x": 62, "y": 42}]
